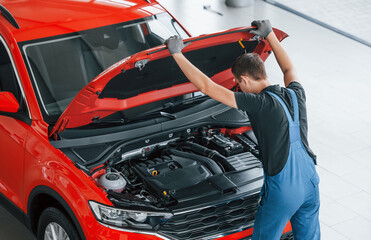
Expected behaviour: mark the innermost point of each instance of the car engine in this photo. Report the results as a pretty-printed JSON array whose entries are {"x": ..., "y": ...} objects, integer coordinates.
[{"x": 166, "y": 173}]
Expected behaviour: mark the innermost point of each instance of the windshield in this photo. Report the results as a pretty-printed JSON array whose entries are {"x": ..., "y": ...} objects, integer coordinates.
[{"x": 61, "y": 66}]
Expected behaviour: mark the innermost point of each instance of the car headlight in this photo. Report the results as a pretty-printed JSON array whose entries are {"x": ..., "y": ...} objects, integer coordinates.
[{"x": 128, "y": 218}]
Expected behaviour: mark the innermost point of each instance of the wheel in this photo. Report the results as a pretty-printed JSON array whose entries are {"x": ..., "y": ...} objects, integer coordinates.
[{"x": 54, "y": 225}]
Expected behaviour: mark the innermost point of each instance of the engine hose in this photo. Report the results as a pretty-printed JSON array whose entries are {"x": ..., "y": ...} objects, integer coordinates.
[
  {"x": 208, "y": 163},
  {"x": 213, "y": 154}
]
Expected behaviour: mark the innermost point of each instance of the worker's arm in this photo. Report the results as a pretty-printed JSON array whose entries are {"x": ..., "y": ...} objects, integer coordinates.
[
  {"x": 198, "y": 78},
  {"x": 265, "y": 30},
  {"x": 288, "y": 69}
]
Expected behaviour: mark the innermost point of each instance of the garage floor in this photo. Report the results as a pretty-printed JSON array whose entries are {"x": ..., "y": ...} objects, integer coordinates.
[
  {"x": 335, "y": 73},
  {"x": 352, "y": 17}
]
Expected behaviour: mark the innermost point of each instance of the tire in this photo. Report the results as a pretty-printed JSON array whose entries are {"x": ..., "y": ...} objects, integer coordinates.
[{"x": 52, "y": 221}]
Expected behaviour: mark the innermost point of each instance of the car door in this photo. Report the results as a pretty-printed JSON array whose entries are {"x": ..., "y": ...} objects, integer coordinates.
[{"x": 13, "y": 132}]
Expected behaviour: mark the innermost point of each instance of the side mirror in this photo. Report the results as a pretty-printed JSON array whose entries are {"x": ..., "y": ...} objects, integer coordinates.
[{"x": 8, "y": 103}]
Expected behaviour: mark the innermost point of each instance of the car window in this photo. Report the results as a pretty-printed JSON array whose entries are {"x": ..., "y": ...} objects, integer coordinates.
[
  {"x": 62, "y": 65},
  {"x": 8, "y": 78},
  {"x": 165, "y": 27}
]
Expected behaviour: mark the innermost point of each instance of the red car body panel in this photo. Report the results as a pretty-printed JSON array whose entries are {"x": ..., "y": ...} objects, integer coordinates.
[
  {"x": 34, "y": 165},
  {"x": 13, "y": 134},
  {"x": 8, "y": 103},
  {"x": 50, "y": 168},
  {"x": 43, "y": 18}
]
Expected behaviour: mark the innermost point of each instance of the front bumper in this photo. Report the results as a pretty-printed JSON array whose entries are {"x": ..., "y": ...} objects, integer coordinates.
[
  {"x": 230, "y": 220},
  {"x": 101, "y": 232}
]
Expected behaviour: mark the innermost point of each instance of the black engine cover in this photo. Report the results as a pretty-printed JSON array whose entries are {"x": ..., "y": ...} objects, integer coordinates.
[{"x": 164, "y": 176}]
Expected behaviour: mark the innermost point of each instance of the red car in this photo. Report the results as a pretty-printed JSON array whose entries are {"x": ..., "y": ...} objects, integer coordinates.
[{"x": 103, "y": 137}]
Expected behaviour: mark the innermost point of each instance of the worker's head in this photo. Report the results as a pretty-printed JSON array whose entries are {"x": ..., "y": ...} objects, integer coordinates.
[{"x": 248, "y": 71}]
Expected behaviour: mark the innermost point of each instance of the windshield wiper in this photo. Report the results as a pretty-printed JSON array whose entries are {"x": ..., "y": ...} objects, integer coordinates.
[
  {"x": 109, "y": 122},
  {"x": 185, "y": 101},
  {"x": 148, "y": 115},
  {"x": 170, "y": 105},
  {"x": 153, "y": 115}
]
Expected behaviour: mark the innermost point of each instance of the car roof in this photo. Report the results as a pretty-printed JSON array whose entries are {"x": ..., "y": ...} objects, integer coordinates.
[{"x": 46, "y": 18}]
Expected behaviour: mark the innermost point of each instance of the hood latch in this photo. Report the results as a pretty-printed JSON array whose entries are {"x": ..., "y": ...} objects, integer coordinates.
[{"x": 141, "y": 64}]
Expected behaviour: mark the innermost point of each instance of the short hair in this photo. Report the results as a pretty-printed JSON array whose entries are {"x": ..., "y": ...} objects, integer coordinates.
[{"x": 249, "y": 64}]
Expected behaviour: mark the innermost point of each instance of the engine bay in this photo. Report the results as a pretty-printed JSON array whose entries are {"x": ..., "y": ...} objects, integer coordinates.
[{"x": 199, "y": 164}]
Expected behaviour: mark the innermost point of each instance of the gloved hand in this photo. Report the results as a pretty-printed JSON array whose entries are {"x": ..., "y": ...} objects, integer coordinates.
[
  {"x": 175, "y": 44},
  {"x": 264, "y": 28}
]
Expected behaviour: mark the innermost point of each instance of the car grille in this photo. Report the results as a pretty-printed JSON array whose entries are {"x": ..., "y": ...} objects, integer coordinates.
[
  {"x": 212, "y": 220},
  {"x": 285, "y": 236}
]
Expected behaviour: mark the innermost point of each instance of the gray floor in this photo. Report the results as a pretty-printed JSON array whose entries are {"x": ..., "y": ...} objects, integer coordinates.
[
  {"x": 335, "y": 72},
  {"x": 352, "y": 17},
  {"x": 11, "y": 228}
]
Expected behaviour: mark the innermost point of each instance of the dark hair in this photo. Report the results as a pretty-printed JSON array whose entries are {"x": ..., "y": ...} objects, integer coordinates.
[{"x": 249, "y": 64}]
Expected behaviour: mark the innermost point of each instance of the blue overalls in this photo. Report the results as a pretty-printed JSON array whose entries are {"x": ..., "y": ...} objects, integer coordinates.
[{"x": 292, "y": 194}]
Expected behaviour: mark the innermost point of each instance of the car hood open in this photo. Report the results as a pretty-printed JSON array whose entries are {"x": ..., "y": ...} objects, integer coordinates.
[{"x": 153, "y": 75}]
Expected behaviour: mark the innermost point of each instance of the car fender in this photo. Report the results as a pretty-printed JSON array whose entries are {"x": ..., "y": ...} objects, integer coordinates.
[{"x": 50, "y": 172}]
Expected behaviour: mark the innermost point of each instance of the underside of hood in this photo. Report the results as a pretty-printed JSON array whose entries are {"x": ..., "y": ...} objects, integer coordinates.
[{"x": 153, "y": 75}]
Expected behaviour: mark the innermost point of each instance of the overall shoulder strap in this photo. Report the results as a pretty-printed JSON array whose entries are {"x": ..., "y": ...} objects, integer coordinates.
[
  {"x": 295, "y": 104},
  {"x": 288, "y": 115}
]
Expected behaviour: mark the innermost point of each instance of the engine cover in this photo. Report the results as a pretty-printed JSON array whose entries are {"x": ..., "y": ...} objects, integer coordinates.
[{"x": 168, "y": 174}]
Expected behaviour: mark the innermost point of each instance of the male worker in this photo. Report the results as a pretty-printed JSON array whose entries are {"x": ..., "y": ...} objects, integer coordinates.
[{"x": 278, "y": 118}]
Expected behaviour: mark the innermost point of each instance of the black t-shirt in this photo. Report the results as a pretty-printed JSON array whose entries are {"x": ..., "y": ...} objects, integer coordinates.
[{"x": 270, "y": 124}]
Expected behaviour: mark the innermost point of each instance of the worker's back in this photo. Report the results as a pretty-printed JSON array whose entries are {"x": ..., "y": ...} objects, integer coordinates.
[{"x": 270, "y": 124}]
